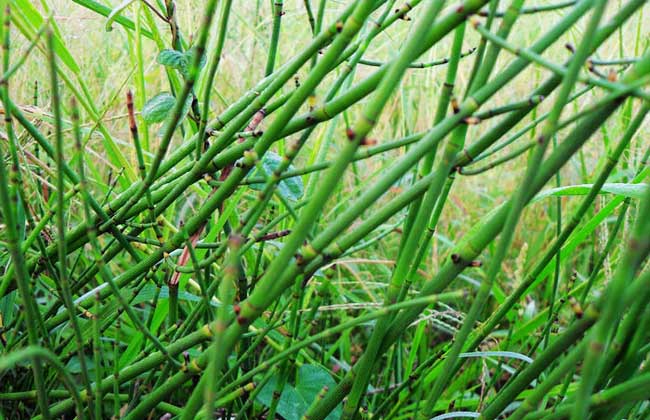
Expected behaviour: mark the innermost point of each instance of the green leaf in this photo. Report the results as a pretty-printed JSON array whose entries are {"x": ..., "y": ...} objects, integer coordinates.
[
  {"x": 291, "y": 405},
  {"x": 157, "y": 108},
  {"x": 116, "y": 12},
  {"x": 189, "y": 56},
  {"x": 74, "y": 365},
  {"x": 294, "y": 402},
  {"x": 291, "y": 188},
  {"x": 310, "y": 382},
  {"x": 180, "y": 61},
  {"x": 626, "y": 190},
  {"x": 174, "y": 59},
  {"x": 8, "y": 306}
]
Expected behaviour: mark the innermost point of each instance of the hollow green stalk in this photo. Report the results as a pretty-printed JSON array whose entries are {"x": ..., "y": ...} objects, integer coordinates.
[
  {"x": 275, "y": 36},
  {"x": 486, "y": 285},
  {"x": 532, "y": 371},
  {"x": 103, "y": 270},
  {"x": 9, "y": 207},
  {"x": 177, "y": 111},
  {"x": 215, "y": 60},
  {"x": 227, "y": 293},
  {"x": 63, "y": 283},
  {"x": 632, "y": 258},
  {"x": 420, "y": 65},
  {"x": 477, "y": 239}
]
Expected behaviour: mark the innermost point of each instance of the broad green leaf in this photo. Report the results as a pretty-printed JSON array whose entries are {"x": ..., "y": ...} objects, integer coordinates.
[
  {"x": 8, "y": 306},
  {"x": 74, "y": 365},
  {"x": 117, "y": 11},
  {"x": 157, "y": 108},
  {"x": 291, "y": 188},
  {"x": 168, "y": 113},
  {"x": 174, "y": 59},
  {"x": 189, "y": 57},
  {"x": 294, "y": 402},
  {"x": 311, "y": 380},
  {"x": 180, "y": 61},
  {"x": 626, "y": 190},
  {"x": 291, "y": 405}
]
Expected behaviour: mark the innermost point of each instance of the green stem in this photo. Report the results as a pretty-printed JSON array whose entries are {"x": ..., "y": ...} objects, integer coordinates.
[{"x": 275, "y": 36}]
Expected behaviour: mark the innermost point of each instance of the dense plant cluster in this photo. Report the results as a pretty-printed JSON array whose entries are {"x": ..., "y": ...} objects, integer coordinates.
[{"x": 205, "y": 254}]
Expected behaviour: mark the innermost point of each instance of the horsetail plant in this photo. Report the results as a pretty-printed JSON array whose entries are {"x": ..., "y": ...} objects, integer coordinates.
[{"x": 375, "y": 228}]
